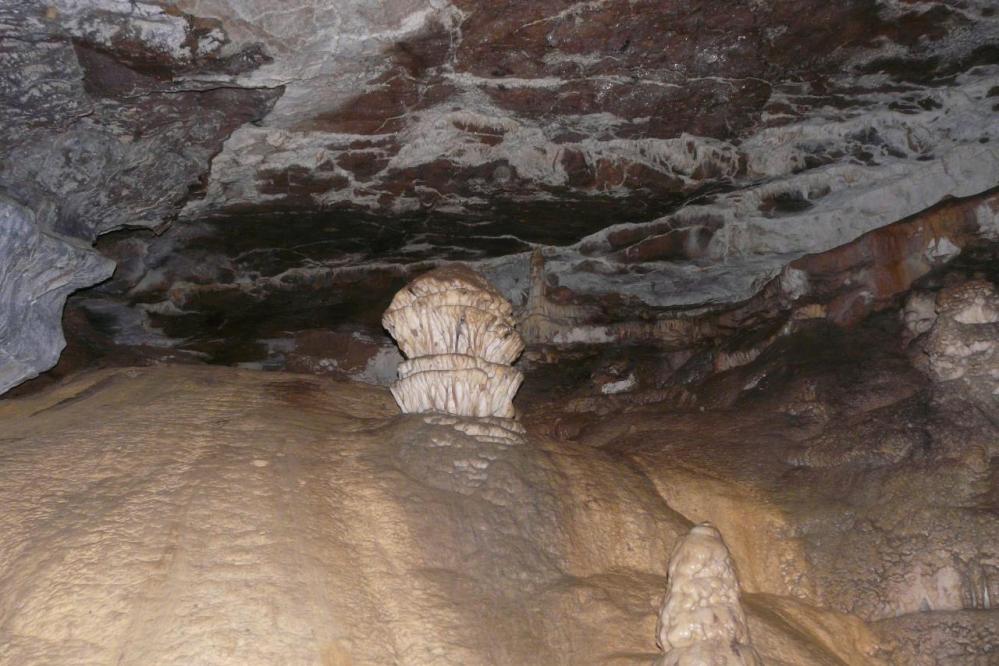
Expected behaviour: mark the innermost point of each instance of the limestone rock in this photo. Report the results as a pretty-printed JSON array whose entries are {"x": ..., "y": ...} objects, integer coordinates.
[
  {"x": 702, "y": 621},
  {"x": 210, "y": 504},
  {"x": 962, "y": 342},
  {"x": 919, "y": 314},
  {"x": 433, "y": 328},
  {"x": 38, "y": 270},
  {"x": 250, "y": 518},
  {"x": 110, "y": 111},
  {"x": 453, "y": 310},
  {"x": 458, "y": 332},
  {"x": 456, "y": 384}
]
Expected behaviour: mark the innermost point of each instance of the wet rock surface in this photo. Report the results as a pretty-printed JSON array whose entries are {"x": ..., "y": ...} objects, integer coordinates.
[
  {"x": 855, "y": 492},
  {"x": 877, "y": 478},
  {"x": 372, "y": 538}
]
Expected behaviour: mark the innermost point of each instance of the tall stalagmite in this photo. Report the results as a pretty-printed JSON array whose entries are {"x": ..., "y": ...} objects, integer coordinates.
[{"x": 702, "y": 621}]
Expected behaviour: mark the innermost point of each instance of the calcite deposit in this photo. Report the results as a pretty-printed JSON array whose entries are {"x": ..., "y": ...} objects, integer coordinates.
[
  {"x": 963, "y": 340},
  {"x": 702, "y": 620},
  {"x": 649, "y": 266},
  {"x": 226, "y": 516},
  {"x": 458, "y": 333}
]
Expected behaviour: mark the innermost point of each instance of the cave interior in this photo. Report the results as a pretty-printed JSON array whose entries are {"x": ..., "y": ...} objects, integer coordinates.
[{"x": 266, "y": 270}]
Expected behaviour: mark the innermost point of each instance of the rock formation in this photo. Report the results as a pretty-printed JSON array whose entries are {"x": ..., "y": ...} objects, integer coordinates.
[
  {"x": 702, "y": 621},
  {"x": 38, "y": 270},
  {"x": 963, "y": 341},
  {"x": 211, "y": 505},
  {"x": 111, "y": 113},
  {"x": 661, "y": 161},
  {"x": 457, "y": 333},
  {"x": 705, "y": 221}
]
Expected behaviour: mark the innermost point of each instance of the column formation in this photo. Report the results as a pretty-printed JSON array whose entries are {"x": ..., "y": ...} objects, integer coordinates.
[{"x": 457, "y": 333}]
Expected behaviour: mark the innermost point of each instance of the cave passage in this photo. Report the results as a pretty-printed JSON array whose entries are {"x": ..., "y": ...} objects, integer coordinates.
[{"x": 512, "y": 333}]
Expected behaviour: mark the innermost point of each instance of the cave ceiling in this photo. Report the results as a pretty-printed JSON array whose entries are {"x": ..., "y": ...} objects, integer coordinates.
[{"x": 659, "y": 155}]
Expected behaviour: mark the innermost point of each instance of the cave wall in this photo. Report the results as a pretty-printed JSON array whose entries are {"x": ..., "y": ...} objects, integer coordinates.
[
  {"x": 111, "y": 117},
  {"x": 662, "y": 155}
]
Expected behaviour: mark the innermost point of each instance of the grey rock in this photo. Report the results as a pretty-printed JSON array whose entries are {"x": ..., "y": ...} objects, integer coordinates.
[
  {"x": 38, "y": 270},
  {"x": 112, "y": 112}
]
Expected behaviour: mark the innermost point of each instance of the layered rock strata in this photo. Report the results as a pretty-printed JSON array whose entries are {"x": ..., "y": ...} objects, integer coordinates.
[
  {"x": 458, "y": 333},
  {"x": 112, "y": 114}
]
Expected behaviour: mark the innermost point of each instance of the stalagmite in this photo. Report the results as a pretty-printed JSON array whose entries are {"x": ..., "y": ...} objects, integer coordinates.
[
  {"x": 701, "y": 621},
  {"x": 458, "y": 333}
]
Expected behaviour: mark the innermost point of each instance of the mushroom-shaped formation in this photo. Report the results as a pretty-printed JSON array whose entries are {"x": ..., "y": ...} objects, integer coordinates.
[
  {"x": 701, "y": 621},
  {"x": 458, "y": 333}
]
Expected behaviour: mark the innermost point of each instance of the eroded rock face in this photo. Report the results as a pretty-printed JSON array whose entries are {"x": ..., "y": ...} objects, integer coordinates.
[
  {"x": 115, "y": 109},
  {"x": 586, "y": 101},
  {"x": 458, "y": 332},
  {"x": 616, "y": 114},
  {"x": 963, "y": 341},
  {"x": 876, "y": 480},
  {"x": 38, "y": 271},
  {"x": 112, "y": 112},
  {"x": 702, "y": 621},
  {"x": 669, "y": 155}
]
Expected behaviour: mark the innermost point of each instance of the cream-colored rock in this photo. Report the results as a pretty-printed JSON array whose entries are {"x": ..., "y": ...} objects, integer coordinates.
[
  {"x": 454, "y": 285},
  {"x": 431, "y": 327},
  {"x": 456, "y": 384},
  {"x": 458, "y": 333},
  {"x": 484, "y": 429},
  {"x": 217, "y": 516},
  {"x": 702, "y": 620},
  {"x": 156, "y": 535}
]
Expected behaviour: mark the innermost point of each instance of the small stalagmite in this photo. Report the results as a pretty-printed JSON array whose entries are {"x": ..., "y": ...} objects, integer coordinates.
[
  {"x": 457, "y": 332},
  {"x": 702, "y": 621}
]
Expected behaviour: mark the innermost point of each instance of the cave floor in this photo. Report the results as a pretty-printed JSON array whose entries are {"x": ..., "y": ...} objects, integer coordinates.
[{"x": 209, "y": 515}]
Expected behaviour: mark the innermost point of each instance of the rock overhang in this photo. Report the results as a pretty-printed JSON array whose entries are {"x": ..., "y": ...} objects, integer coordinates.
[
  {"x": 661, "y": 156},
  {"x": 727, "y": 144}
]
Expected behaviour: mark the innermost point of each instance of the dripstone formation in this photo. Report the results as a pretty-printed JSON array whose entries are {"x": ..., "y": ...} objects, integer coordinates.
[
  {"x": 702, "y": 621},
  {"x": 457, "y": 332}
]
